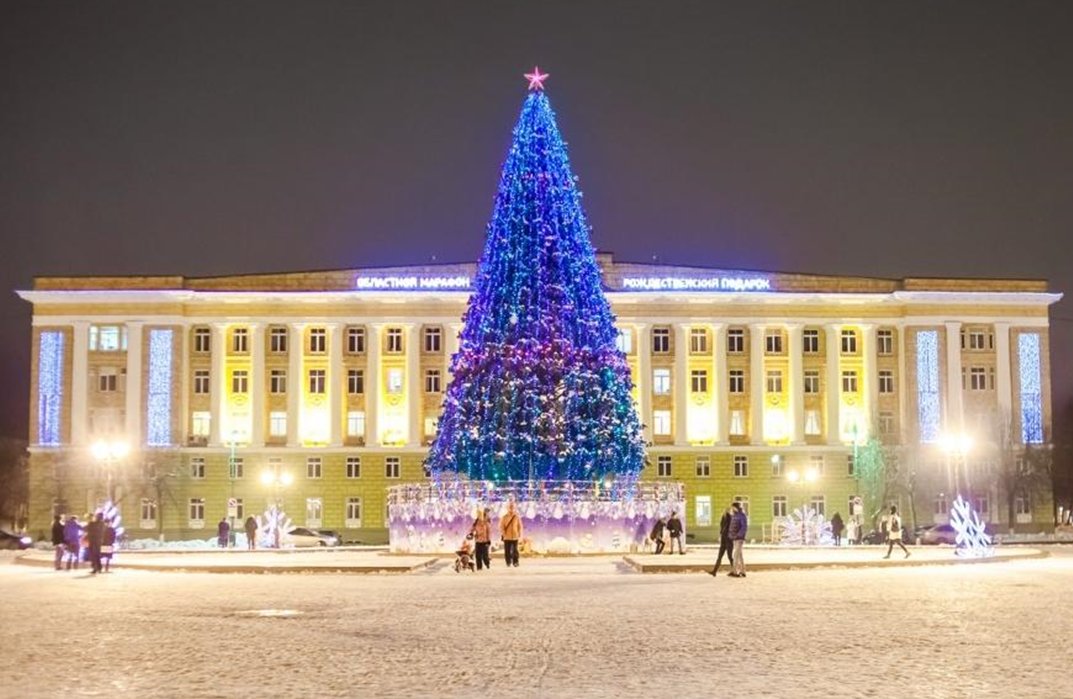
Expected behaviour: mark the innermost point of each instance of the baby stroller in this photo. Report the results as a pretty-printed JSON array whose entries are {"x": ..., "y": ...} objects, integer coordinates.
[{"x": 464, "y": 557}]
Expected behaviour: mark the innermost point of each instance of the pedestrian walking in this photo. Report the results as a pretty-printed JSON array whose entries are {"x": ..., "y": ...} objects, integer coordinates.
[
  {"x": 95, "y": 539},
  {"x": 223, "y": 533},
  {"x": 482, "y": 536},
  {"x": 72, "y": 535},
  {"x": 251, "y": 533},
  {"x": 739, "y": 527},
  {"x": 674, "y": 529},
  {"x": 510, "y": 529},
  {"x": 837, "y": 525},
  {"x": 894, "y": 532},
  {"x": 657, "y": 535},
  {"x": 108, "y": 546},
  {"x": 726, "y": 544},
  {"x": 57, "y": 540}
]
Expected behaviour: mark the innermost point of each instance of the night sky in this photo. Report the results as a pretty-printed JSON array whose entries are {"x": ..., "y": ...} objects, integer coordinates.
[{"x": 865, "y": 138}]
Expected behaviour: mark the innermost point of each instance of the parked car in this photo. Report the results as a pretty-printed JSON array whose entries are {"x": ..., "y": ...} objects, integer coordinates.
[
  {"x": 945, "y": 534},
  {"x": 14, "y": 542},
  {"x": 303, "y": 537}
]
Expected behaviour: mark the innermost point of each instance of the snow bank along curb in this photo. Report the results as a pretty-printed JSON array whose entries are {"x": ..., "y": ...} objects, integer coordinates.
[{"x": 125, "y": 563}]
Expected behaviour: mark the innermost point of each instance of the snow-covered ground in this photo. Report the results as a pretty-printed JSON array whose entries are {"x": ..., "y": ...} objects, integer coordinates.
[{"x": 554, "y": 627}]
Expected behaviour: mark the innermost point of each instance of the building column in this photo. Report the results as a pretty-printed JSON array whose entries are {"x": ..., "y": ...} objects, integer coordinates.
[
  {"x": 871, "y": 381},
  {"x": 79, "y": 383},
  {"x": 217, "y": 382},
  {"x": 834, "y": 383},
  {"x": 681, "y": 384},
  {"x": 954, "y": 391},
  {"x": 756, "y": 384},
  {"x": 903, "y": 397},
  {"x": 295, "y": 348},
  {"x": 1003, "y": 379},
  {"x": 795, "y": 347},
  {"x": 414, "y": 389},
  {"x": 184, "y": 383},
  {"x": 134, "y": 385},
  {"x": 335, "y": 384},
  {"x": 644, "y": 377},
  {"x": 372, "y": 386},
  {"x": 720, "y": 389},
  {"x": 258, "y": 384}
]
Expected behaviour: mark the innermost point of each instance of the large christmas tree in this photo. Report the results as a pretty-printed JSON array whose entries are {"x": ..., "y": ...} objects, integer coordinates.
[{"x": 539, "y": 388}]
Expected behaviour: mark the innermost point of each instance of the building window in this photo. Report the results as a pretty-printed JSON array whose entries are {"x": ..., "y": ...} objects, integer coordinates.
[
  {"x": 277, "y": 424},
  {"x": 200, "y": 423},
  {"x": 355, "y": 381},
  {"x": 698, "y": 341},
  {"x": 811, "y": 339},
  {"x": 314, "y": 512},
  {"x": 774, "y": 381},
  {"x": 744, "y": 500},
  {"x": 202, "y": 340},
  {"x": 886, "y": 382},
  {"x": 851, "y": 464},
  {"x": 942, "y": 507},
  {"x": 1022, "y": 505},
  {"x": 773, "y": 342},
  {"x": 699, "y": 381},
  {"x": 394, "y": 381},
  {"x": 432, "y": 381},
  {"x": 197, "y": 512},
  {"x": 277, "y": 381},
  {"x": 107, "y": 379},
  {"x": 737, "y": 381},
  {"x": 816, "y": 463},
  {"x": 433, "y": 337},
  {"x": 355, "y": 340},
  {"x": 201, "y": 382},
  {"x": 394, "y": 341},
  {"x": 316, "y": 381},
  {"x": 819, "y": 503},
  {"x": 108, "y": 338},
  {"x": 663, "y": 466},
  {"x": 147, "y": 513},
  {"x": 778, "y": 506},
  {"x": 661, "y": 340},
  {"x": 812, "y": 423},
  {"x": 736, "y": 341},
  {"x": 983, "y": 507},
  {"x": 240, "y": 341},
  {"x": 885, "y": 342},
  {"x": 661, "y": 422},
  {"x": 353, "y": 513},
  {"x": 704, "y": 467},
  {"x": 977, "y": 340},
  {"x": 886, "y": 423},
  {"x": 741, "y": 466},
  {"x": 812, "y": 382},
  {"x": 978, "y": 378},
  {"x": 314, "y": 467},
  {"x": 624, "y": 341},
  {"x": 777, "y": 463},
  {"x": 702, "y": 512},
  {"x": 392, "y": 467},
  {"x": 849, "y": 382},
  {"x": 240, "y": 509},
  {"x": 661, "y": 381},
  {"x": 240, "y": 381},
  {"x": 737, "y": 423},
  {"x": 236, "y": 468},
  {"x": 849, "y": 342},
  {"x": 277, "y": 340},
  {"x": 355, "y": 423},
  {"x": 353, "y": 467},
  {"x": 197, "y": 467},
  {"x": 318, "y": 340}
]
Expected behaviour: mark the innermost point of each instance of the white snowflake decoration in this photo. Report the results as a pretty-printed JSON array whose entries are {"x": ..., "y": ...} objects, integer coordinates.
[
  {"x": 805, "y": 527},
  {"x": 972, "y": 539},
  {"x": 274, "y": 520}
]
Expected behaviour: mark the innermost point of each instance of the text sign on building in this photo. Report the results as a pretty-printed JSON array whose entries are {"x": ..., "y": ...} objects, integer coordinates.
[
  {"x": 728, "y": 283},
  {"x": 412, "y": 283}
]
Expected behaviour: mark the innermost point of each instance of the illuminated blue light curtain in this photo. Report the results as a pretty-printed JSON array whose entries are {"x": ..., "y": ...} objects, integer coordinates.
[
  {"x": 539, "y": 389},
  {"x": 49, "y": 387},
  {"x": 928, "y": 410},
  {"x": 1028, "y": 361},
  {"x": 158, "y": 403}
]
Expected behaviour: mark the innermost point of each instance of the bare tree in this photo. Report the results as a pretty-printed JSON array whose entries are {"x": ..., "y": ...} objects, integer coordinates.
[{"x": 1021, "y": 469}]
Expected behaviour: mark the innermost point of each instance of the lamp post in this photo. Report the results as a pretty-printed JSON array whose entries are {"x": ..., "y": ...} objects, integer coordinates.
[
  {"x": 278, "y": 479},
  {"x": 232, "y": 465},
  {"x": 795, "y": 478},
  {"x": 956, "y": 447},
  {"x": 107, "y": 453}
]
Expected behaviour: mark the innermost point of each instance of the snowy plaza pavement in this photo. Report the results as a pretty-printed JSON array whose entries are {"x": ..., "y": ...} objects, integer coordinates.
[{"x": 553, "y": 627}]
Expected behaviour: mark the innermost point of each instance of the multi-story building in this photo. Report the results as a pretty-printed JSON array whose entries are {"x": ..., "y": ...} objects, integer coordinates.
[{"x": 323, "y": 388}]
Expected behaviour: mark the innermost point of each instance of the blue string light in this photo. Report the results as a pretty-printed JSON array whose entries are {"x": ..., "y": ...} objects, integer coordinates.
[
  {"x": 928, "y": 385},
  {"x": 1028, "y": 361},
  {"x": 49, "y": 387},
  {"x": 539, "y": 389},
  {"x": 158, "y": 412}
]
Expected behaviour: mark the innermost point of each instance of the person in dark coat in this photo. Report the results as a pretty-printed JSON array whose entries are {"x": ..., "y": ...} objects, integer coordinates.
[
  {"x": 223, "y": 533},
  {"x": 251, "y": 533},
  {"x": 657, "y": 535},
  {"x": 837, "y": 525},
  {"x": 72, "y": 536},
  {"x": 109, "y": 545},
  {"x": 726, "y": 545},
  {"x": 57, "y": 540},
  {"x": 95, "y": 539},
  {"x": 739, "y": 527},
  {"x": 674, "y": 528}
]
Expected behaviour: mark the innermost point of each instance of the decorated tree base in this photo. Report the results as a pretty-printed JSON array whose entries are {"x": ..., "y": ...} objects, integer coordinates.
[{"x": 558, "y": 517}]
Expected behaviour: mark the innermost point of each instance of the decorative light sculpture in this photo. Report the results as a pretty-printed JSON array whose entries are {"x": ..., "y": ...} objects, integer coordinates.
[
  {"x": 928, "y": 408},
  {"x": 158, "y": 402},
  {"x": 1028, "y": 362},
  {"x": 49, "y": 387}
]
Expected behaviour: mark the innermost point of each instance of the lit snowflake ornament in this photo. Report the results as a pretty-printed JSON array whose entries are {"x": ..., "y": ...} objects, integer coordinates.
[
  {"x": 972, "y": 539},
  {"x": 805, "y": 527}
]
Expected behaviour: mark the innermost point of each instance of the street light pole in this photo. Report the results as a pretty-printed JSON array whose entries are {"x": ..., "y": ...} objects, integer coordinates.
[{"x": 107, "y": 453}]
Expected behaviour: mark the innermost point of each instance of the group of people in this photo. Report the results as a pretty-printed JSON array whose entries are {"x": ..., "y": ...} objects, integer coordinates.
[
  {"x": 854, "y": 529},
  {"x": 664, "y": 532},
  {"x": 73, "y": 543},
  {"x": 223, "y": 533},
  {"x": 733, "y": 526},
  {"x": 480, "y": 534}
]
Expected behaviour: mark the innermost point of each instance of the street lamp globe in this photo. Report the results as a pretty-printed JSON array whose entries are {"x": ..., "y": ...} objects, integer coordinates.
[
  {"x": 286, "y": 479},
  {"x": 267, "y": 477},
  {"x": 811, "y": 475},
  {"x": 793, "y": 476}
]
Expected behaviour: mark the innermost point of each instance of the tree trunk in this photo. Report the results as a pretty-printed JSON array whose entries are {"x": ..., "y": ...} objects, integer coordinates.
[{"x": 1011, "y": 519}]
